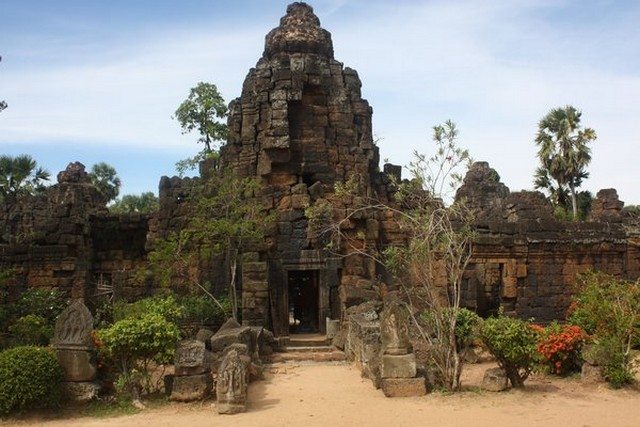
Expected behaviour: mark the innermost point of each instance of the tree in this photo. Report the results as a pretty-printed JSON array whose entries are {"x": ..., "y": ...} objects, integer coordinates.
[
  {"x": 144, "y": 203},
  {"x": 19, "y": 176},
  {"x": 225, "y": 217},
  {"x": 564, "y": 153},
  {"x": 201, "y": 111},
  {"x": 105, "y": 178},
  {"x": 429, "y": 266}
]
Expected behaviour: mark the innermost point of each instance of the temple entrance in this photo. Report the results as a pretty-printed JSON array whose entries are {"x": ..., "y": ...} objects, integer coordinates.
[{"x": 304, "y": 309}]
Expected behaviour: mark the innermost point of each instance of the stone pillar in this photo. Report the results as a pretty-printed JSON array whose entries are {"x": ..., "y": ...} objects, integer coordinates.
[
  {"x": 192, "y": 379},
  {"x": 255, "y": 294},
  {"x": 398, "y": 364},
  {"x": 75, "y": 350}
]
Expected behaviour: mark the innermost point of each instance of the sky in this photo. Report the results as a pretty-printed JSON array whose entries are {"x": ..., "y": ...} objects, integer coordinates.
[{"x": 99, "y": 81}]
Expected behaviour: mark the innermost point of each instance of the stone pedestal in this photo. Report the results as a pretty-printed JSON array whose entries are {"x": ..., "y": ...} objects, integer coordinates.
[
  {"x": 192, "y": 379},
  {"x": 77, "y": 365},
  {"x": 592, "y": 373},
  {"x": 398, "y": 366},
  {"x": 404, "y": 387},
  {"x": 191, "y": 387}
]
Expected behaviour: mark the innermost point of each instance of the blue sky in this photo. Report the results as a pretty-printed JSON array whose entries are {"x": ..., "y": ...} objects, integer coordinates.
[{"x": 98, "y": 81}]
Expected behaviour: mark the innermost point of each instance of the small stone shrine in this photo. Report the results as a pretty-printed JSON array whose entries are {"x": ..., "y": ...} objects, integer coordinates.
[{"x": 75, "y": 350}]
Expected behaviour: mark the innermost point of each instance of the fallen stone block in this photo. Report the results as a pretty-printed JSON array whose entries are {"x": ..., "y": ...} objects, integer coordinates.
[
  {"x": 191, "y": 387},
  {"x": 495, "y": 379}
]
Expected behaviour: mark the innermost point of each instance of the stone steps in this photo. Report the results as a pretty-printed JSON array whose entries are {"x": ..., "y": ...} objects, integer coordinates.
[
  {"x": 308, "y": 348},
  {"x": 334, "y": 355}
]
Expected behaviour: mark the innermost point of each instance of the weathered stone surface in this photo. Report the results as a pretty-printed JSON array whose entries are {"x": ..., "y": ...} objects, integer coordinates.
[
  {"x": 205, "y": 335},
  {"x": 394, "y": 328},
  {"x": 233, "y": 379},
  {"x": 404, "y": 387},
  {"x": 73, "y": 328},
  {"x": 191, "y": 387},
  {"x": 398, "y": 366},
  {"x": 77, "y": 365},
  {"x": 332, "y": 327},
  {"x": 606, "y": 207},
  {"x": 80, "y": 392},
  {"x": 190, "y": 358},
  {"x": 495, "y": 379},
  {"x": 592, "y": 373}
]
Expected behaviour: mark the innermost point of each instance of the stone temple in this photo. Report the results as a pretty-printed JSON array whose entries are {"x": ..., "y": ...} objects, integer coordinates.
[{"x": 301, "y": 126}]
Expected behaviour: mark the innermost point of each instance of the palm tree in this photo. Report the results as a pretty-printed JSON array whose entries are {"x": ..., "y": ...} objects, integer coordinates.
[
  {"x": 106, "y": 180},
  {"x": 20, "y": 175},
  {"x": 564, "y": 153}
]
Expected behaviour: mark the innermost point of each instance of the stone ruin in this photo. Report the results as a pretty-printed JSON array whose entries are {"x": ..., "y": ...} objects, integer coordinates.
[{"x": 300, "y": 126}]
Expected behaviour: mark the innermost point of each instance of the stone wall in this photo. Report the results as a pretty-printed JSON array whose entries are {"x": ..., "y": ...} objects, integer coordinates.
[
  {"x": 526, "y": 261},
  {"x": 66, "y": 239}
]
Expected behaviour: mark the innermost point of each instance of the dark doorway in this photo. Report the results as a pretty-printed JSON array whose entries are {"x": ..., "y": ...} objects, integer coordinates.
[{"x": 303, "y": 302}]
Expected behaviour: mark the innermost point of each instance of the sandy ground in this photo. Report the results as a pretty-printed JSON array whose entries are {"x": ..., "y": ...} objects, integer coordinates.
[{"x": 336, "y": 395}]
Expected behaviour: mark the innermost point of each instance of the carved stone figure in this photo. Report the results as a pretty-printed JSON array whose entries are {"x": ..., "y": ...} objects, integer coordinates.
[
  {"x": 73, "y": 328},
  {"x": 394, "y": 329},
  {"x": 231, "y": 389}
]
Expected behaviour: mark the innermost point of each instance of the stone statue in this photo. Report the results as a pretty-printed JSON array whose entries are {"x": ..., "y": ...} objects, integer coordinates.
[
  {"x": 394, "y": 329},
  {"x": 73, "y": 328},
  {"x": 231, "y": 389}
]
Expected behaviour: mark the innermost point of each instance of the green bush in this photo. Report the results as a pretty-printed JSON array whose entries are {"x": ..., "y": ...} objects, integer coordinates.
[
  {"x": 45, "y": 303},
  {"x": 133, "y": 343},
  {"x": 165, "y": 306},
  {"x": 609, "y": 310},
  {"x": 29, "y": 378},
  {"x": 31, "y": 330},
  {"x": 513, "y": 343},
  {"x": 201, "y": 310},
  {"x": 467, "y": 328}
]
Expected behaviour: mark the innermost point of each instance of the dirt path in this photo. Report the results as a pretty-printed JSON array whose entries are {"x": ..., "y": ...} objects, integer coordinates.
[{"x": 336, "y": 395}]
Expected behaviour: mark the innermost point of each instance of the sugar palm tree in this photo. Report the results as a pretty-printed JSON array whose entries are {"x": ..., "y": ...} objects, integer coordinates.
[
  {"x": 20, "y": 175},
  {"x": 564, "y": 153}
]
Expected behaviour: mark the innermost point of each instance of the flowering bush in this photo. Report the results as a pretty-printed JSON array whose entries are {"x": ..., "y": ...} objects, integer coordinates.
[{"x": 560, "y": 347}]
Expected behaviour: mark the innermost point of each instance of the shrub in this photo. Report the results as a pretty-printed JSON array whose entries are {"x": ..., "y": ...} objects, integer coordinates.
[
  {"x": 164, "y": 306},
  {"x": 467, "y": 328},
  {"x": 133, "y": 343},
  {"x": 31, "y": 330},
  {"x": 609, "y": 310},
  {"x": 513, "y": 343},
  {"x": 560, "y": 347},
  {"x": 45, "y": 303},
  {"x": 201, "y": 310},
  {"x": 29, "y": 378}
]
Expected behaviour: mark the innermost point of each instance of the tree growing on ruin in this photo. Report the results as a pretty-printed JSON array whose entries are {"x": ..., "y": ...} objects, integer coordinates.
[
  {"x": 201, "y": 112},
  {"x": 225, "y": 219},
  {"x": 564, "y": 154},
  {"x": 106, "y": 180},
  {"x": 20, "y": 175}
]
